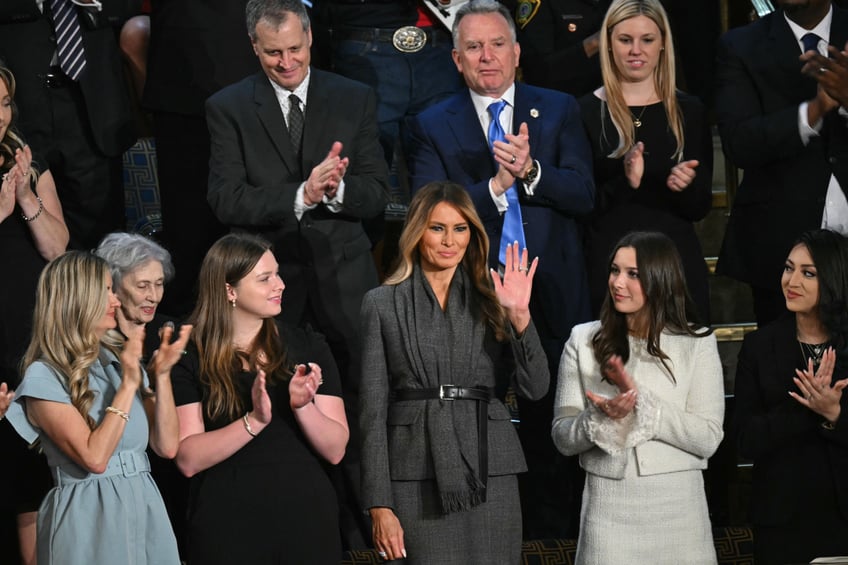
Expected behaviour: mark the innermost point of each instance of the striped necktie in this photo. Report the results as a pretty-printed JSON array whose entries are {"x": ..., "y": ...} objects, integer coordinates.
[
  {"x": 513, "y": 227},
  {"x": 68, "y": 38}
]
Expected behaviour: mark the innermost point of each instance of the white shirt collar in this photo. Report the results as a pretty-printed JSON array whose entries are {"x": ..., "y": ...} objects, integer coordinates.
[
  {"x": 822, "y": 29},
  {"x": 481, "y": 102}
]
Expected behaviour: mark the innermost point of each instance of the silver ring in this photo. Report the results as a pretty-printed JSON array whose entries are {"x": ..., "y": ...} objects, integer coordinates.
[
  {"x": 822, "y": 70},
  {"x": 522, "y": 269},
  {"x": 382, "y": 554},
  {"x": 512, "y": 162}
]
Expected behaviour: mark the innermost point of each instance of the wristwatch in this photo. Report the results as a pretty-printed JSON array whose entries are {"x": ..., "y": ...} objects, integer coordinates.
[{"x": 531, "y": 174}]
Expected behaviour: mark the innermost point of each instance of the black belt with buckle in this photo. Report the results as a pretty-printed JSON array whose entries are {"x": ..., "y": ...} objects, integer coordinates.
[
  {"x": 481, "y": 394},
  {"x": 55, "y": 78},
  {"x": 406, "y": 39}
]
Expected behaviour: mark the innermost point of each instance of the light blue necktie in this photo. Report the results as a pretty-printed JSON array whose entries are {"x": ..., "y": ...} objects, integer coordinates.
[
  {"x": 513, "y": 228},
  {"x": 68, "y": 38}
]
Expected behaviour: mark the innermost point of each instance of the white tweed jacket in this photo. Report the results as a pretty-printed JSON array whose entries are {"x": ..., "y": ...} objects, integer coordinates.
[{"x": 676, "y": 425}]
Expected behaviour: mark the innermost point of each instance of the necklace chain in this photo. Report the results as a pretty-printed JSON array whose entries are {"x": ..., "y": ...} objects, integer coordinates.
[
  {"x": 637, "y": 121},
  {"x": 812, "y": 351}
]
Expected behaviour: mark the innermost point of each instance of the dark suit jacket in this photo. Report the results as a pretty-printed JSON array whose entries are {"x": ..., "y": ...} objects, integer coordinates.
[
  {"x": 448, "y": 143},
  {"x": 254, "y": 175},
  {"x": 395, "y": 442},
  {"x": 783, "y": 189},
  {"x": 27, "y": 45},
  {"x": 785, "y": 439}
]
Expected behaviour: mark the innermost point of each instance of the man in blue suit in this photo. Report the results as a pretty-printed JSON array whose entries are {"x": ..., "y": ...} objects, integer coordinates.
[{"x": 539, "y": 164}]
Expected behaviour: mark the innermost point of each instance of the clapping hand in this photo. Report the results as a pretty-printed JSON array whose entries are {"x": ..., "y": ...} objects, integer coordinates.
[
  {"x": 514, "y": 291},
  {"x": 817, "y": 394},
  {"x": 634, "y": 165},
  {"x": 622, "y": 404},
  {"x": 682, "y": 175},
  {"x": 304, "y": 384},
  {"x": 169, "y": 352},
  {"x": 831, "y": 72},
  {"x": 261, "y": 401},
  {"x": 131, "y": 354},
  {"x": 6, "y": 398}
]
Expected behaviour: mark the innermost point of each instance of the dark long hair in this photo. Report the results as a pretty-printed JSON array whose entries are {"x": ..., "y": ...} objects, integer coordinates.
[
  {"x": 669, "y": 306},
  {"x": 829, "y": 251}
]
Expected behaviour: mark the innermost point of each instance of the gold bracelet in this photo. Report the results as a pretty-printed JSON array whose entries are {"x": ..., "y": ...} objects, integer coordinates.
[
  {"x": 121, "y": 413},
  {"x": 247, "y": 426}
]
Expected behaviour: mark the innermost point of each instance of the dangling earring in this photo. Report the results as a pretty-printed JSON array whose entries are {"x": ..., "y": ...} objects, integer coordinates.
[{"x": 233, "y": 302}]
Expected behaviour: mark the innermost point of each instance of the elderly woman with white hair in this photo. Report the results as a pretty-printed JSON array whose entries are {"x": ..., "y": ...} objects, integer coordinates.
[{"x": 140, "y": 268}]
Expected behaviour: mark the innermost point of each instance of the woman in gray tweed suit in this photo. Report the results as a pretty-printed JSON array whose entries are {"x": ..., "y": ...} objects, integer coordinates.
[{"x": 443, "y": 338}]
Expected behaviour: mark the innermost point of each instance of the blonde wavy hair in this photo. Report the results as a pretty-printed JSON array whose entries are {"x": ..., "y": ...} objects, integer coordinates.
[
  {"x": 665, "y": 79},
  {"x": 71, "y": 299}
]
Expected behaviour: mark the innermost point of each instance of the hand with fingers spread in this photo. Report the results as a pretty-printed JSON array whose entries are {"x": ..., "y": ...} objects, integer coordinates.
[
  {"x": 169, "y": 352},
  {"x": 634, "y": 165},
  {"x": 682, "y": 175},
  {"x": 817, "y": 394},
  {"x": 387, "y": 533},
  {"x": 304, "y": 384},
  {"x": 514, "y": 291}
]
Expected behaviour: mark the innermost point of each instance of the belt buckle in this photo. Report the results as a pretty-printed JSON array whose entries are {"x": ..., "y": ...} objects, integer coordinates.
[
  {"x": 442, "y": 392},
  {"x": 409, "y": 39},
  {"x": 129, "y": 465}
]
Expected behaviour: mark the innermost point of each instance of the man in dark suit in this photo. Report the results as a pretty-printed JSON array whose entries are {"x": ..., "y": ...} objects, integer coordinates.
[
  {"x": 80, "y": 125},
  {"x": 789, "y": 136},
  {"x": 545, "y": 160},
  {"x": 296, "y": 157}
]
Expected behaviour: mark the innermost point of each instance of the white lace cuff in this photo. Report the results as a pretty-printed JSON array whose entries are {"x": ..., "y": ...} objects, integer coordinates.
[{"x": 614, "y": 436}]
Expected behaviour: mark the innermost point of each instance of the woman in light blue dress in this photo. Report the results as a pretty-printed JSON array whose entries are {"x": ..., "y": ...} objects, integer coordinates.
[{"x": 86, "y": 397}]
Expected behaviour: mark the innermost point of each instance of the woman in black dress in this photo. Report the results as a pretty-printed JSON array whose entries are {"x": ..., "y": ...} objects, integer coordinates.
[
  {"x": 32, "y": 232},
  {"x": 789, "y": 383},
  {"x": 651, "y": 144},
  {"x": 260, "y": 408}
]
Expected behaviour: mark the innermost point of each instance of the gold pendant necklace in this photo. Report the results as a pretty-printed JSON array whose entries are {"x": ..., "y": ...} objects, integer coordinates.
[{"x": 637, "y": 121}]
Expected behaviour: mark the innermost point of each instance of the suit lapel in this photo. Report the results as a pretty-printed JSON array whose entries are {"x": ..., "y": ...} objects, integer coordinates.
[
  {"x": 783, "y": 47},
  {"x": 839, "y": 29},
  {"x": 317, "y": 122},
  {"x": 527, "y": 109},
  {"x": 271, "y": 117},
  {"x": 463, "y": 122}
]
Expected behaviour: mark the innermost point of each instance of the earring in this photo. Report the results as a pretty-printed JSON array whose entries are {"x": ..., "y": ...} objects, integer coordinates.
[{"x": 233, "y": 302}]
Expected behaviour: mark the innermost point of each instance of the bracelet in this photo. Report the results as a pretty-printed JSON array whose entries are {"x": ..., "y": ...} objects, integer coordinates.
[
  {"x": 121, "y": 413},
  {"x": 37, "y": 214},
  {"x": 828, "y": 425},
  {"x": 247, "y": 426}
]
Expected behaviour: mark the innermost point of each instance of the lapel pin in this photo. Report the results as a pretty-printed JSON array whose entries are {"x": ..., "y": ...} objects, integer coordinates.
[{"x": 534, "y": 113}]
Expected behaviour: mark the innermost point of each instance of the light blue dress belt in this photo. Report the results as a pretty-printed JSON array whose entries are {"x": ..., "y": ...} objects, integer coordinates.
[{"x": 126, "y": 463}]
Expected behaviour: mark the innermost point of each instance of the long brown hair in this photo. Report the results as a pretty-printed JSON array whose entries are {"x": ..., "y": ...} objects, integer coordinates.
[
  {"x": 667, "y": 300},
  {"x": 228, "y": 261},
  {"x": 70, "y": 300},
  {"x": 476, "y": 254},
  {"x": 665, "y": 81}
]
